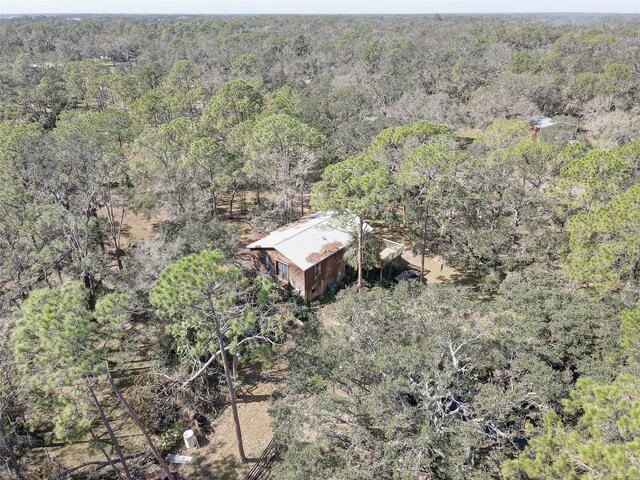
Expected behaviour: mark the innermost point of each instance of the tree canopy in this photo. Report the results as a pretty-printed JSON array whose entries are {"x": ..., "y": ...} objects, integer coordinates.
[{"x": 139, "y": 155}]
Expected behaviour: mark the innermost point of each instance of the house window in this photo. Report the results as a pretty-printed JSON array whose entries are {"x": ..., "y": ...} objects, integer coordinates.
[
  {"x": 265, "y": 260},
  {"x": 282, "y": 270},
  {"x": 317, "y": 270}
]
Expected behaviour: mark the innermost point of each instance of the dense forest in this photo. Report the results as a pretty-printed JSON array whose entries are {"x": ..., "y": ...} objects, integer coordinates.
[{"x": 139, "y": 155}]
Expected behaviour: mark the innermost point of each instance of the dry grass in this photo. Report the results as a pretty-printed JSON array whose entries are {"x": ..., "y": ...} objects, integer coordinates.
[{"x": 217, "y": 457}]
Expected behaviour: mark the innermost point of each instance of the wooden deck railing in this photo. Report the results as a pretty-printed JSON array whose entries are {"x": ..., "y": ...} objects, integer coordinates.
[
  {"x": 262, "y": 469},
  {"x": 391, "y": 251}
]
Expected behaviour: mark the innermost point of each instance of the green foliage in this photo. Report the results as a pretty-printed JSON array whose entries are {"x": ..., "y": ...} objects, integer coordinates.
[
  {"x": 206, "y": 150},
  {"x": 153, "y": 107},
  {"x": 503, "y": 133},
  {"x": 159, "y": 167},
  {"x": 98, "y": 115},
  {"x": 244, "y": 66},
  {"x": 300, "y": 45},
  {"x": 150, "y": 76},
  {"x": 184, "y": 75},
  {"x": 630, "y": 341},
  {"x": 524, "y": 62},
  {"x": 239, "y": 137},
  {"x": 426, "y": 177},
  {"x": 411, "y": 382},
  {"x": 420, "y": 131},
  {"x": 185, "y": 288},
  {"x": 34, "y": 233},
  {"x": 373, "y": 245},
  {"x": 557, "y": 329},
  {"x": 218, "y": 171},
  {"x": 15, "y": 138},
  {"x": 371, "y": 55},
  {"x": 187, "y": 234},
  {"x": 112, "y": 311},
  {"x": 281, "y": 134},
  {"x": 359, "y": 185},
  {"x": 284, "y": 100},
  {"x": 288, "y": 150},
  {"x": 597, "y": 437},
  {"x": 171, "y": 438},
  {"x": 78, "y": 75},
  {"x": 604, "y": 249},
  {"x": 56, "y": 349},
  {"x": 597, "y": 175},
  {"x": 233, "y": 103},
  {"x": 196, "y": 289},
  {"x": 586, "y": 86},
  {"x": 603, "y": 444},
  {"x": 426, "y": 167},
  {"x": 111, "y": 127},
  {"x": 499, "y": 217}
]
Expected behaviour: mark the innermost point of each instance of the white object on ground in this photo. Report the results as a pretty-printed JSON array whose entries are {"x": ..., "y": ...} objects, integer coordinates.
[
  {"x": 173, "y": 458},
  {"x": 190, "y": 439}
]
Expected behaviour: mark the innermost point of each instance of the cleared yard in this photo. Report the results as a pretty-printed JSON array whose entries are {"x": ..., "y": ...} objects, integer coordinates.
[{"x": 217, "y": 457}]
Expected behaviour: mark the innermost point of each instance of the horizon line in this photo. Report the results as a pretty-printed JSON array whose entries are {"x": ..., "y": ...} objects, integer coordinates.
[{"x": 15, "y": 14}]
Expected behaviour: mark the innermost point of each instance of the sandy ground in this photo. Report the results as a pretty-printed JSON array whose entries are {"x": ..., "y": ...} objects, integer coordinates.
[
  {"x": 138, "y": 226},
  {"x": 437, "y": 269},
  {"x": 217, "y": 457}
]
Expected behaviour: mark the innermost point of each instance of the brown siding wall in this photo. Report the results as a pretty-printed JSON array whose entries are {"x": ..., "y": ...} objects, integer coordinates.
[
  {"x": 296, "y": 275},
  {"x": 309, "y": 287},
  {"x": 332, "y": 271}
]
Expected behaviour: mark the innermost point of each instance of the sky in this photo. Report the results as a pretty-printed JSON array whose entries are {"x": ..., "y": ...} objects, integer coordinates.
[{"x": 9, "y": 7}]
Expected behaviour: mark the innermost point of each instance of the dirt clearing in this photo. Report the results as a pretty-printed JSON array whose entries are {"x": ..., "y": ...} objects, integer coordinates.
[{"x": 217, "y": 457}]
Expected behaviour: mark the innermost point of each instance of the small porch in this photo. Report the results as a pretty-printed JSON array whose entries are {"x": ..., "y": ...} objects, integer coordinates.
[{"x": 391, "y": 251}]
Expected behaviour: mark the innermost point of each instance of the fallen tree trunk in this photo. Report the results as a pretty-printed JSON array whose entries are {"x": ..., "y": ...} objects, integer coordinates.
[
  {"x": 106, "y": 455},
  {"x": 112, "y": 435},
  {"x": 99, "y": 464},
  {"x": 136, "y": 420},
  {"x": 12, "y": 457}
]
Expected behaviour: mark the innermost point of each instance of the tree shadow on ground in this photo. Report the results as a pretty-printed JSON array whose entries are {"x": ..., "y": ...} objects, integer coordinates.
[
  {"x": 253, "y": 398},
  {"x": 456, "y": 277},
  {"x": 225, "y": 468}
]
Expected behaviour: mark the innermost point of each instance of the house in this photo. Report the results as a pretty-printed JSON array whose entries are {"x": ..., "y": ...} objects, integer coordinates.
[{"x": 308, "y": 255}]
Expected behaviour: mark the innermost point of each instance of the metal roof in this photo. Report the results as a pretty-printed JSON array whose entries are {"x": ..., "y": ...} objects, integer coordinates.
[
  {"x": 311, "y": 239},
  {"x": 541, "y": 121}
]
